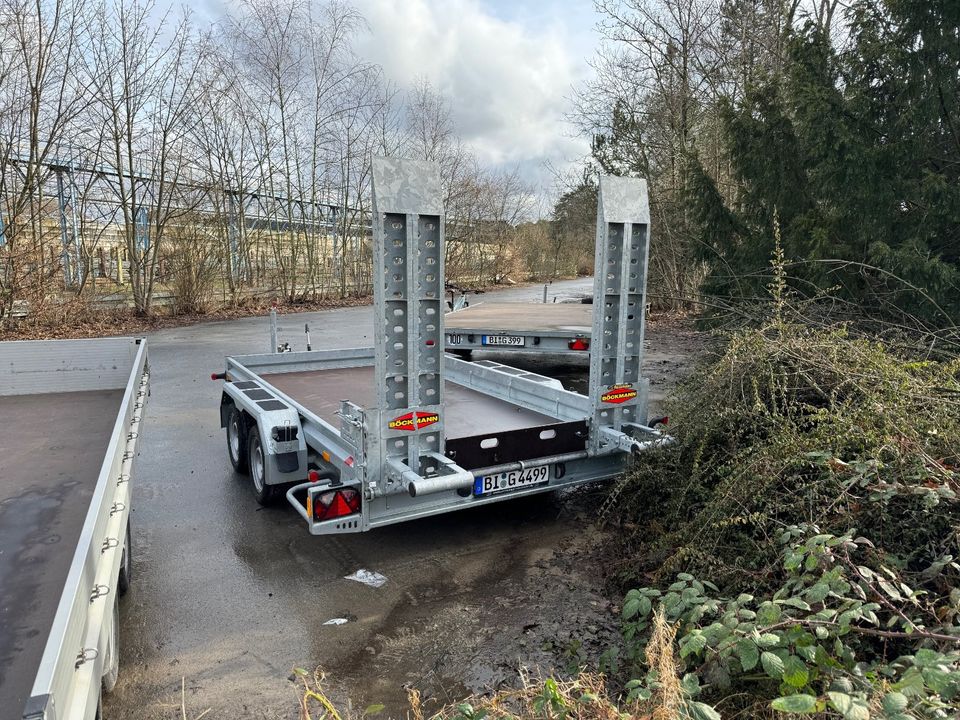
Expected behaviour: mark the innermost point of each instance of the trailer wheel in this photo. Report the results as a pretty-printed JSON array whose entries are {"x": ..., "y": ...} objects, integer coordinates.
[
  {"x": 237, "y": 441},
  {"x": 258, "y": 471},
  {"x": 111, "y": 666},
  {"x": 126, "y": 564}
]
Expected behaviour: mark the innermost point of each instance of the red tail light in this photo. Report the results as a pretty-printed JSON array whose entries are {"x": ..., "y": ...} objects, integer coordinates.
[
  {"x": 336, "y": 503},
  {"x": 579, "y": 344}
]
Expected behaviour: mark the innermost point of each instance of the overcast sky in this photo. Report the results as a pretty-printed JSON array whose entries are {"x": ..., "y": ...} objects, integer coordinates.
[{"x": 507, "y": 67}]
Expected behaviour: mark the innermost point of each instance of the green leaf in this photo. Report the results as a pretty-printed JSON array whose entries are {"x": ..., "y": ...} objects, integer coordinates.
[
  {"x": 850, "y": 707},
  {"x": 772, "y": 665},
  {"x": 691, "y": 684},
  {"x": 800, "y": 704},
  {"x": 768, "y": 613},
  {"x": 701, "y": 711},
  {"x": 794, "y": 602},
  {"x": 795, "y": 672},
  {"x": 894, "y": 702},
  {"x": 889, "y": 589},
  {"x": 817, "y": 592},
  {"x": 693, "y": 643},
  {"x": 768, "y": 640},
  {"x": 748, "y": 653},
  {"x": 645, "y": 606},
  {"x": 374, "y": 709},
  {"x": 793, "y": 560},
  {"x": 630, "y": 608}
]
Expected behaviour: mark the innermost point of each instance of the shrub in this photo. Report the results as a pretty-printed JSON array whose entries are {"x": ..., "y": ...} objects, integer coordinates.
[
  {"x": 800, "y": 535},
  {"x": 792, "y": 425},
  {"x": 844, "y": 633}
]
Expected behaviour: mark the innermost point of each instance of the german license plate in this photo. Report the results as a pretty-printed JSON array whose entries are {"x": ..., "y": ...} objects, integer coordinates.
[
  {"x": 513, "y": 480},
  {"x": 512, "y": 340}
]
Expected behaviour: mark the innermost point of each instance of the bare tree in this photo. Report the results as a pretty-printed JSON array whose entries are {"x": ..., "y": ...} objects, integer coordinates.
[
  {"x": 40, "y": 96},
  {"x": 145, "y": 82}
]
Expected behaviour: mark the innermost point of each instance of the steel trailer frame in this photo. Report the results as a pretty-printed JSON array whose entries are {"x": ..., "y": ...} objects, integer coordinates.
[{"x": 395, "y": 454}]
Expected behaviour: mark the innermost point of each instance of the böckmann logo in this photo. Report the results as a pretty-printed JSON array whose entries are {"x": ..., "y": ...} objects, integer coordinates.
[
  {"x": 413, "y": 421},
  {"x": 617, "y": 394}
]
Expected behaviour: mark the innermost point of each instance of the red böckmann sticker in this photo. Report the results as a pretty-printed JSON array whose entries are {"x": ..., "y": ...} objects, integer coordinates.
[
  {"x": 617, "y": 394},
  {"x": 414, "y": 421}
]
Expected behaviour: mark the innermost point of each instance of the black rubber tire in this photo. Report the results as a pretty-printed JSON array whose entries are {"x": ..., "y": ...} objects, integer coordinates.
[
  {"x": 125, "y": 576},
  {"x": 236, "y": 429},
  {"x": 257, "y": 462}
]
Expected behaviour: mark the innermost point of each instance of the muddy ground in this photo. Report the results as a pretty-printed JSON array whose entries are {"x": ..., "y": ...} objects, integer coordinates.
[{"x": 228, "y": 597}]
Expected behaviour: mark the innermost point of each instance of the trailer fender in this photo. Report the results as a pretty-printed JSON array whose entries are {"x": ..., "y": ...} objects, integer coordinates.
[{"x": 279, "y": 425}]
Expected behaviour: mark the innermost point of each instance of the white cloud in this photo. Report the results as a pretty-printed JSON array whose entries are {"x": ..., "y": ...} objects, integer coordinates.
[{"x": 507, "y": 70}]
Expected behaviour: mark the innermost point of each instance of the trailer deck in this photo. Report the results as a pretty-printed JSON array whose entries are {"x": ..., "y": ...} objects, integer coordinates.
[
  {"x": 468, "y": 412},
  {"x": 70, "y": 418},
  {"x": 531, "y": 327},
  {"x": 52, "y": 446}
]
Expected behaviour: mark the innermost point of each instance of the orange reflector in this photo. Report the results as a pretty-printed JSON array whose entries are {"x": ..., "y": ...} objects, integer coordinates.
[
  {"x": 309, "y": 505},
  {"x": 325, "y": 455}
]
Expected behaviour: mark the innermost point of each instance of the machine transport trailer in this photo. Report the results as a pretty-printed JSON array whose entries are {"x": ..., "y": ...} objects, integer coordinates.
[
  {"x": 361, "y": 438},
  {"x": 71, "y": 412},
  {"x": 527, "y": 327}
]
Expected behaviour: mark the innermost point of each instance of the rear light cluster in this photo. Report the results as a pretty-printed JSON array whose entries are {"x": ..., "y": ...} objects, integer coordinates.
[
  {"x": 335, "y": 504},
  {"x": 579, "y": 344}
]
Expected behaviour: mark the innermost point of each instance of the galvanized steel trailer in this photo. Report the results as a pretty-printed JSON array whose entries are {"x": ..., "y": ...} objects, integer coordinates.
[
  {"x": 70, "y": 416},
  {"x": 421, "y": 432},
  {"x": 520, "y": 327}
]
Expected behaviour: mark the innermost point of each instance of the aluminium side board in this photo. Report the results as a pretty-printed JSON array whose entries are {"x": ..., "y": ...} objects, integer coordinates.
[
  {"x": 360, "y": 438},
  {"x": 70, "y": 418}
]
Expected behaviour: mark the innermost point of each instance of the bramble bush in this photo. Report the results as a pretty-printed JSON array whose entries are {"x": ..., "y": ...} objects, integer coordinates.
[
  {"x": 838, "y": 636},
  {"x": 800, "y": 536}
]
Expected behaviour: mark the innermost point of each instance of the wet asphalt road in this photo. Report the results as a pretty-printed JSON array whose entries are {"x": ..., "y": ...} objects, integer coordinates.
[{"x": 229, "y": 597}]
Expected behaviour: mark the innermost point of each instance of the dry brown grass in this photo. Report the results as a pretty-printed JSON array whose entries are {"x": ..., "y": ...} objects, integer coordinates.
[
  {"x": 667, "y": 701},
  {"x": 582, "y": 698}
]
